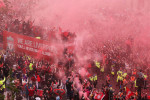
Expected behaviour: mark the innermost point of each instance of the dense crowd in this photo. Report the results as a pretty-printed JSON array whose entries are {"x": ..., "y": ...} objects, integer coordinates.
[
  {"x": 24, "y": 77},
  {"x": 24, "y": 27},
  {"x": 117, "y": 76}
]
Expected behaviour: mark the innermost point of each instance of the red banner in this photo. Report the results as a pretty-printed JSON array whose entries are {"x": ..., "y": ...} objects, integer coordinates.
[{"x": 32, "y": 46}]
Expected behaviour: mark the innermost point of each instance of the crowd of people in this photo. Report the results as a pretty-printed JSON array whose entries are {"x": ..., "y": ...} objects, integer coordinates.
[
  {"x": 24, "y": 27},
  {"x": 117, "y": 76},
  {"x": 111, "y": 78}
]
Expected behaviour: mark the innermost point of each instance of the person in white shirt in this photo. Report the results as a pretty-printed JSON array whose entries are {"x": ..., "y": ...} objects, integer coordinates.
[{"x": 37, "y": 98}]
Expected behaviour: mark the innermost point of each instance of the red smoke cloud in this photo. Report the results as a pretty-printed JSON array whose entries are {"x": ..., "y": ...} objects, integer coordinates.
[
  {"x": 94, "y": 22},
  {"x": 2, "y": 4}
]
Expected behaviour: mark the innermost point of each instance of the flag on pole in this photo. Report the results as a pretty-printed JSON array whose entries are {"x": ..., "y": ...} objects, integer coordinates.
[{"x": 129, "y": 93}]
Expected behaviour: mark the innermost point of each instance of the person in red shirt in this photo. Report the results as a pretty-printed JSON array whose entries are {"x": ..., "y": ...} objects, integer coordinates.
[
  {"x": 38, "y": 80},
  {"x": 33, "y": 78},
  {"x": 31, "y": 92}
]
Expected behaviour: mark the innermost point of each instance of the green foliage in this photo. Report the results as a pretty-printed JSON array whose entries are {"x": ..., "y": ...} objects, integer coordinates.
[
  {"x": 12, "y": 86},
  {"x": 2, "y": 97}
]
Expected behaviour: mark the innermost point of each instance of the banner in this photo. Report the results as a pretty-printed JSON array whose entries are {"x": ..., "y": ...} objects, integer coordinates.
[{"x": 28, "y": 45}]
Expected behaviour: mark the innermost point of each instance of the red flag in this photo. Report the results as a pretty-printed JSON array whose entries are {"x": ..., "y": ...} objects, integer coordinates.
[
  {"x": 65, "y": 34},
  {"x": 99, "y": 96},
  {"x": 40, "y": 93},
  {"x": 89, "y": 75},
  {"x": 148, "y": 97},
  {"x": 1, "y": 65},
  {"x": 129, "y": 93}
]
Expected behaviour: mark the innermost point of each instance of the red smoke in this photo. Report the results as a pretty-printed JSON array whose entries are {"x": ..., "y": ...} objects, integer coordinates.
[
  {"x": 2, "y": 4},
  {"x": 95, "y": 22}
]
